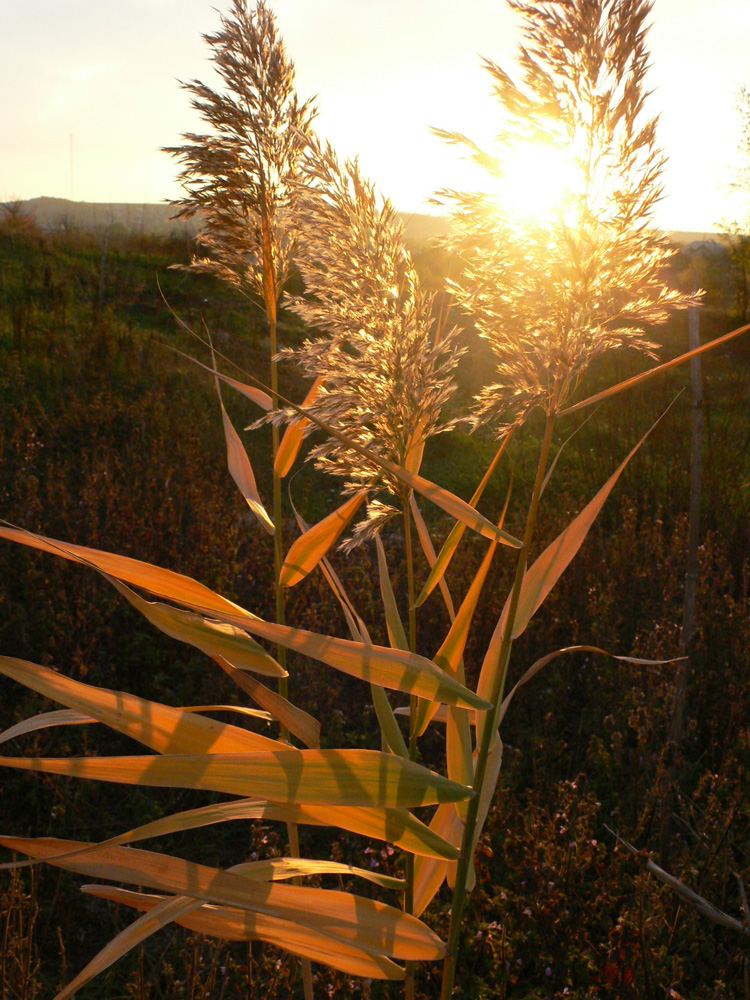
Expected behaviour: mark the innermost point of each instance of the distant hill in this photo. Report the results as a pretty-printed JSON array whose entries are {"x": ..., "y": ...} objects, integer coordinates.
[{"x": 53, "y": 214}]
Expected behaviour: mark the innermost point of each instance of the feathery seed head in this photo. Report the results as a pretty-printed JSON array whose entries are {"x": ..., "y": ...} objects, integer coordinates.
[
  {"x": 240, "y": 175},
  {"x": 552, "y": 293},
  {"x": 385, "y": 364}
]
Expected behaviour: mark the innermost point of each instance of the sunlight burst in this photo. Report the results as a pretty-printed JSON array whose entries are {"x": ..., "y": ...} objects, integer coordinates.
[{"x": 536, "y": 181}]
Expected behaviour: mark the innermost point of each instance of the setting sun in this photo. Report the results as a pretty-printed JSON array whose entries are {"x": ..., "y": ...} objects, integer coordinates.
[{"x": 536, "y": 181}]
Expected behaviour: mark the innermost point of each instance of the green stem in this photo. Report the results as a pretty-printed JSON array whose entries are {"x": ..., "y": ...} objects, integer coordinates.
[
  {"x": 278, "y": 561},
  {"x": 409, "y": 556},
  {"x": 278, "y": 546},
  {"x": 488, "y": 733}
]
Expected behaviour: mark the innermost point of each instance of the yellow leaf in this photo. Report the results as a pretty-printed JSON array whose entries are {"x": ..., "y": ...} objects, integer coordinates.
[
  {"x": 293, "y": 436},
  {"x": 160, "y": 582},
  {"x": 390, "y": 668},
  {"x": 299, "y": 723},
  {"x": 450, "y": 655},
  {"x": 360, "y": 921},
  {"x": 396, "y": 633},
  {"x": 258, "y": 396},
  {"x": 454, "y": 506},
  {"x": 212, "y": 637},
  {"x": 430, "y": 872},
  {"x": 415, "y": 448},
  {"x": 241, "y": 471},
  {"x": 159, "y": 727},
  {"x": 658, "y": 370},
  {"x": 233, "y": 924},
  {"x": 317, "y": 777},
  {"x": 44, "y": 721},
  {"x": 309, "y": 549},
  {"x": 395, "y": 826},
  {"x": 545, "y": 572},
  {"x": 429, "y": 551},
  {"x": 452, "y": 541}
]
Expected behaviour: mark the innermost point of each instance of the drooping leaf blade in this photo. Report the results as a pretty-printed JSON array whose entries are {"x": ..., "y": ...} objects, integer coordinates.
[
  {"x": 429, "y": 551},
  {"x": 241, "y": 471},
  {"x": 161, "y": 582},
  {"x": 396, "y": 826},
  {"x": 429, "y": 873},
  {"x": 309, "y": 548},
  {"x": 360, "y": 921},
  {"x": 452, "y": 541},
  {"x": 66, "y": 717},
  {"x": 315, "y": 777},
  {"x": 630, "y": 383},
  {"x": 547, "y": 570},
  {"x": 294, "y": 435},
  {"x": 390, "y": 668},
  {"x": 233, "y": 924},
  {"x": 214, "y": 638},
  {"x": 159, "y": 727},
  {"x": 299, "y": 723},
  {"x": 396, "y": 632}
]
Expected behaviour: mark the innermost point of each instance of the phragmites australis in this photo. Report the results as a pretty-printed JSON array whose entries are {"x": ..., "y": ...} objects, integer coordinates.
[
  {"x": 551, "y": 293},
  {"x": 384, "y": 361},
  {"x": 240, "y": 175}
]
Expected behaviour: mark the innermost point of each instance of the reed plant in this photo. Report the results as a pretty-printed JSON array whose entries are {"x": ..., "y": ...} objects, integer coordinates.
[{"x": 549, "y": 296}]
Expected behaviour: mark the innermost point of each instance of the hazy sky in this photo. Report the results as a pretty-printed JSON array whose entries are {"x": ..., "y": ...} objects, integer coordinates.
[{"x": 98, "y": 78}]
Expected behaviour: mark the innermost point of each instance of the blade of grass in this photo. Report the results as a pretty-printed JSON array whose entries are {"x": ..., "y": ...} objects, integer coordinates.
[
  {"x": 159, "y": 727},
  {"x": 429, "y": 551},
  {"x": 658, "y": 370},
  {"x": 66, "y": 717},
  {"x": 309, "y": 548},
  {"x": 396, "y": 826},
  {"x": 299, "y": 723},
  {"x": 293, "y": 436},
  {"x": 452, "y": 541},
  {"x": 241, "y": 471},
  {"x": 231, "y": 924},
  {"x": 211, "y": 637},
  {"x": 355, "y": 919},
  {"x": 316, "y": 777}
]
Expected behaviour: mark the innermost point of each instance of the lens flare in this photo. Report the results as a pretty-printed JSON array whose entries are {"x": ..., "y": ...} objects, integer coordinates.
[{"x": 537, "y": 181}]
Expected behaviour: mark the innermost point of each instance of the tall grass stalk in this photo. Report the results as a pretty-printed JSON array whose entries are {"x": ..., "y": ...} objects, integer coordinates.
[
  {"x": 549, "y": 296},
  {"x": 241, "y": 178}
]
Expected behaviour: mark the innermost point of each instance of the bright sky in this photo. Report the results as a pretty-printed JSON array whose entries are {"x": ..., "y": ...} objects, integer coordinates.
[{"x": 90, "y": 91}]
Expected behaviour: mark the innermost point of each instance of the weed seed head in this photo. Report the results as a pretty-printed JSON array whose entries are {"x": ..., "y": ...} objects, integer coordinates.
[
  {"x": 551, "y": 293},
  {"x": 385, "y": 363},
  {"x": 240, "y": 175}
]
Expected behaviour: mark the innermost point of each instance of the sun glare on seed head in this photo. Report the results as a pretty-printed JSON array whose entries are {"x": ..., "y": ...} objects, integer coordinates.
[{"x": 536, "y": 182}]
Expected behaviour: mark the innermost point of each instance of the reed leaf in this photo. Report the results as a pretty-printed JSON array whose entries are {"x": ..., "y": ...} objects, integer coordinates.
[
  {"x": 293, "y": 436},
  {"x": 299, "y": 723},
  {"x": 440, "y": 565},
  {"x": 161, "y": 582},
  {"x": 390, "y": 668},
  {"x": 429, "y": 550},
  {"x": 309, "y": 548},
  {"x": 232, "y": 924},
  {"x": 217, "y": 639},
  {"x": 241, "y": 471},
  {"x": 316, "y": 777},
  {"x": 159, "y": 727},
  {"x": 547, "y": 570},
  {"x": 631, "y": 383},
  {"x": 363, "y": 922},
  {"x": 396, "y": 632}
]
